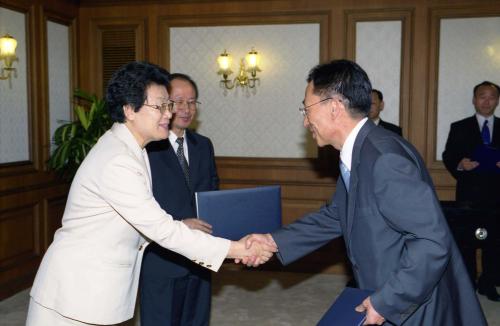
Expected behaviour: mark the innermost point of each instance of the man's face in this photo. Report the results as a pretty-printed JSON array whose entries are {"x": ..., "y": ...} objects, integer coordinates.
[
  {"x": 182, "y": 93},
  {"x": 318, "y": 116},
  {"x": 376, "y": 107},
  {"x": 485, "y": 100}
]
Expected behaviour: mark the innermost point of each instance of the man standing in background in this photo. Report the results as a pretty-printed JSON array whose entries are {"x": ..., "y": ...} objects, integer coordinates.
[
  {"x": 478, "y": 186},
  {"x": 375, "y": 109},
  {"x": 174, "y": 290}
]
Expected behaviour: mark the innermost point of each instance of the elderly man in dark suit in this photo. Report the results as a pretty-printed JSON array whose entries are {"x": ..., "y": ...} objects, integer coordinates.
[
  {"x": 386, "y": 208},
  {"x": 478, "y": 186},
  {"x": 375, "y": 109},
  {"x": 174, "y": 290}
]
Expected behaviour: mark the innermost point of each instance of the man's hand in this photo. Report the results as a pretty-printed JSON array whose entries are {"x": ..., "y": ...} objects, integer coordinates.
[
  {"x": 197, "y": 224},
  {"x": 498, "y": 164},
  {"x": 266, "y": 239},
  {"x": 467, "y": 165},
  {"x": 372, "y": 316},
  {"x": 251, "y": 252}
]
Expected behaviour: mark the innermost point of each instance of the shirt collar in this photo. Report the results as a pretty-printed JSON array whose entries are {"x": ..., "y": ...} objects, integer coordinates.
[
  {"x": 346, "y": 152},
  {"x": 172, "y": 137}
]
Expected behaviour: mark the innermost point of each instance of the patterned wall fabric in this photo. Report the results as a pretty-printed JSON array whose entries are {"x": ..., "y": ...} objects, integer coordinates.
[
  {"x": 14, "y": 124},
  {"x": 59, "y": 75},
  {"x": 378, "y": 51},
  {"x": 264, "y": 122}
]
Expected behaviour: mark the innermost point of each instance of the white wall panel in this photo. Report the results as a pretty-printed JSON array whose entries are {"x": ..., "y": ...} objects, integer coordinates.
[
  {"x": 378, "y": 51},
  {"x": 59, "y": 75},
  {"x": 14, "y": 123},
  {"x": 469, "y": 53},
  {"x": 261, "y": 124}
]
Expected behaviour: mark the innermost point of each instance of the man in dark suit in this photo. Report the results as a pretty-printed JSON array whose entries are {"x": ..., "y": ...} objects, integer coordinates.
[
  {"x": 476, "y": 186},
  {"x": 375, "y": 109},
  {"x": 174, "y": 290},
  {"x": 386, "y": 209}
]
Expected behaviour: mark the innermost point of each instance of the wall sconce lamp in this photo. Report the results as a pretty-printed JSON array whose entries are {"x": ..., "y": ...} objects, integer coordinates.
[
  {"x": 8, "y": 46},
  {"x": 252, "y": 60}
]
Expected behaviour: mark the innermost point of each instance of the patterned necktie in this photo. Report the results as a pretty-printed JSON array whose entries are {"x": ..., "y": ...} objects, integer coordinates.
[
  {"x": 485, "y": 133},
  {"x": 182, "y": 159},
  {"x": 346, "y": 175}
]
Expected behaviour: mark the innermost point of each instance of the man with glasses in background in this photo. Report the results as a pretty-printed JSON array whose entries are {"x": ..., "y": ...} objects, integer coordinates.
[{"x": 174, "y": 290}]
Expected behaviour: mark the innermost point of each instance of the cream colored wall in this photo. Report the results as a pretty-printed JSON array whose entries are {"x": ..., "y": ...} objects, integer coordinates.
[
  {"x": 469, "y": 53},
  {"x": 59, "y": 75},
  {"x": 265, "y": 122},
  {"x": 378, "y": 51},
  {"x": 14, "y": 123}
]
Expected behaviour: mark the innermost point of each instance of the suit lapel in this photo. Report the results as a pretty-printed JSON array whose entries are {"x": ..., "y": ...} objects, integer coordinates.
[
  {"x": 495, "y": 140},
  {"x": 478, "y": 139},
  {"x": 194, "y": 157},
  {"x": 353, "y": 185}
]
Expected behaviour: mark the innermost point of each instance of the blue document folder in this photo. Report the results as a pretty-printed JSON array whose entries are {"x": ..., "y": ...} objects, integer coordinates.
[
  {"x": 342, "y": 312},
  {"x": 237, "y": 212},
  {"x": 487, "y": 157}
]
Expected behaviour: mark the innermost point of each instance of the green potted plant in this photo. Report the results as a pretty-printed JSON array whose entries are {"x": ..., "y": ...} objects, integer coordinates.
[{"x": 74, "y": 139}]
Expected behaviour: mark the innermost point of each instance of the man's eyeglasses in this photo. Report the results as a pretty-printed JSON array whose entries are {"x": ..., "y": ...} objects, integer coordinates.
[
  {"x": 303, "y": 110},
  {"x": 181, "y": 104},
  {"x": 163, "y": 107}
]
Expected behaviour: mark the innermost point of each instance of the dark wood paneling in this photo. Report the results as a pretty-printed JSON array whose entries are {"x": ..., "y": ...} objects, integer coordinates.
[{"x": 26, "y": 186}]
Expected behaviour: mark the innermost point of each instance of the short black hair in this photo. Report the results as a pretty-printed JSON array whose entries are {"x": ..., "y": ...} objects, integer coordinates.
[
  {"x": 185, "y": 78},
  {"x": 486, "y": 83},
  {"x": 379, "y": 94},
  {"x": 128, "y": 86},
  {"x": 344, "y": 78}
]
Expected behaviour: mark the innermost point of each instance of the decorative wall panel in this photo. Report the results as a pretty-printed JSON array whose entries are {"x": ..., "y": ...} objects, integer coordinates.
[
  {"x": 59, "y": 71},
  {"x": 265, "y": 121},
  {"x": 378, "y": 51},
  {"x": 14, "y": 117},
  {"x": 469, "y": 53}
]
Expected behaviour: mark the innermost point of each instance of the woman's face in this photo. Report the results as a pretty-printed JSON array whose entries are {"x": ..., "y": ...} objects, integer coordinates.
[{"x": 148, "y": 123}]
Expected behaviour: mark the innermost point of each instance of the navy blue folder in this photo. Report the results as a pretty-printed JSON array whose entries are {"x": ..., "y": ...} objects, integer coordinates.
[
  {"x": 487, "y": 157},
  {"x": 237, "y": 212},
  {"x": 342, "y": 312}
]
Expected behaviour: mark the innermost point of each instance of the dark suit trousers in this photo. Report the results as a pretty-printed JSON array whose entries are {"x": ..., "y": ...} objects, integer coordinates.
[{"x": 191, "y": 306}]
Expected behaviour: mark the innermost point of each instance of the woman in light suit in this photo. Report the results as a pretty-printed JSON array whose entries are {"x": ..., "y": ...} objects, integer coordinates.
[{"x": 90, "y": 272}]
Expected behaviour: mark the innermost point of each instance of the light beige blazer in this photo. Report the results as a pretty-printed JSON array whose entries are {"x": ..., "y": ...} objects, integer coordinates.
[{"x": 91, "y": 271}]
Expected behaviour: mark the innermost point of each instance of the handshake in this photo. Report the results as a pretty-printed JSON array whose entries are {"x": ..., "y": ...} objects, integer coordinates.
[{"x": 253, "y": 250}]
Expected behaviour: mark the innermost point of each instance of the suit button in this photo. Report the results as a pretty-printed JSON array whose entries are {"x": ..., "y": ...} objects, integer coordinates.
[
  {"x": 201, "y": 263},
  {"x": 209, "y": 266}
]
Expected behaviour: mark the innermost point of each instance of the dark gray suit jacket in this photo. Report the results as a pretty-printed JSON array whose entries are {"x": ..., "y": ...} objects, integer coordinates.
[{"x": 395, "y": 234}]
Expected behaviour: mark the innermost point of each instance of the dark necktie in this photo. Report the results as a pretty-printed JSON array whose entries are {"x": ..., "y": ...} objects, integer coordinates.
[
  {"x": 485, "y": 133},
  {"x": 182, "y": 159},
  {"x": 346, "y": 175}
]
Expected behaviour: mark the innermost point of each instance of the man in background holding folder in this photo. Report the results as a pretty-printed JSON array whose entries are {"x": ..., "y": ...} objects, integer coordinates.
[
  {"x": 174, "y": 290},
  {"x": 386, "y": 209},
  {"x": 478, "y": 182}
]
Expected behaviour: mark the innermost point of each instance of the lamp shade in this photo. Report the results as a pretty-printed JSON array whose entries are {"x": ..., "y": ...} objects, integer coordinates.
[
  {"x": 252, "y": 59},
  {"x": 8, "y": 46},
  {"x": 224, "y": 61}
]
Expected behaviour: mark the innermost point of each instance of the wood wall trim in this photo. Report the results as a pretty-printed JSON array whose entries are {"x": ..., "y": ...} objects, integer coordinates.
[
  {"x": 240, "y": 19},
  {"x": 94, "y": 42}
]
